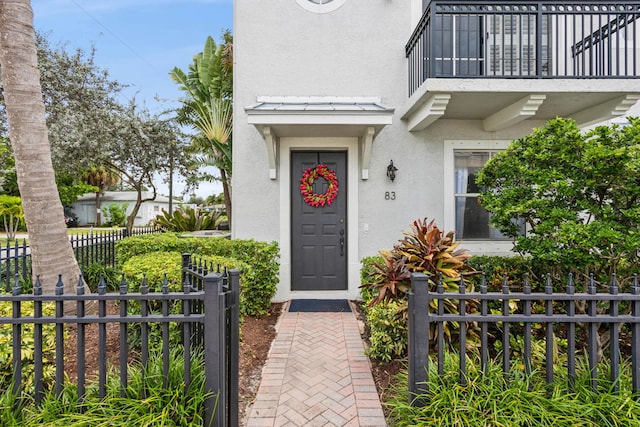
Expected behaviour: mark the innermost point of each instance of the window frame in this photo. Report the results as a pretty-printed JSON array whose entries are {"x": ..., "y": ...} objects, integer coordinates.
[
  {"x": 487, "y": 246},
  {"x": 312, "y": 6}
]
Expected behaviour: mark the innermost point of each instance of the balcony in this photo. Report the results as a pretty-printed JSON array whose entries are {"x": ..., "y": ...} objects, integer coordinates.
[{"x": 525, "y": 59}]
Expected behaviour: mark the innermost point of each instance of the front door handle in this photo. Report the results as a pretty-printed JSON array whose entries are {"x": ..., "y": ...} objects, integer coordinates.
[{"x": 342, "y": 242}]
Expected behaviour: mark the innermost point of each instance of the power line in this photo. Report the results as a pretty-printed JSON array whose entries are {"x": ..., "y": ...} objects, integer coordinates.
[{"x": 114, "y": 35}]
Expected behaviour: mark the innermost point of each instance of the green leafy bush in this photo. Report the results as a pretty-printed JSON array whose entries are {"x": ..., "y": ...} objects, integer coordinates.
[
  {"x": 28, "y": 345},
  {"x": 96, "y": 271},
  {"x": 424, "y": 249},
  {"x": 388, "y": 336},
  {"x": 115, "y": 214},
  {"x": 187, "y": 219},
  {"x": 260, "y": 281},
  {"x": 155, "y": 266}
]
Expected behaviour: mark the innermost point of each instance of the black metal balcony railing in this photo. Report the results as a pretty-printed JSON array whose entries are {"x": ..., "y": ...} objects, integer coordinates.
[{"x": 525, "y": 39}]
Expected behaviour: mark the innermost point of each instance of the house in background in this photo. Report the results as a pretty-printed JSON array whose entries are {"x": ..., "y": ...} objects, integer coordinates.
[
  {"x": 85, "y": 207},
  {"x": 403, "y": 101}
]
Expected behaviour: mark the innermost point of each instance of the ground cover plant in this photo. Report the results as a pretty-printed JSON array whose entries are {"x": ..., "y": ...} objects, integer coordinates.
[
  {"x": 489, "y": 401},
  {"x": 144, "y": 403}
]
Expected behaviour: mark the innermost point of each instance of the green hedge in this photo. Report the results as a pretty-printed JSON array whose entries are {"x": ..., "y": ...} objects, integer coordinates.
[{"x": 260, "y": 261}]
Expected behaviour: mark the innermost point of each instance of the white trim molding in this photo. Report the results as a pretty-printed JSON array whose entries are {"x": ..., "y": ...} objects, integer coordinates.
[
  {"x": 350, "y": 145},
  {"x": 277, "y": 117}
]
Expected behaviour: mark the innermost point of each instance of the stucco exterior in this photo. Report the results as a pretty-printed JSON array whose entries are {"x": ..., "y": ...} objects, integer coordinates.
[{"x": 356, "y": 50}]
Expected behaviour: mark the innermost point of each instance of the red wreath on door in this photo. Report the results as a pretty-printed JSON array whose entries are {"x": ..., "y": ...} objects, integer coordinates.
[{"x": 306, "y": 186}]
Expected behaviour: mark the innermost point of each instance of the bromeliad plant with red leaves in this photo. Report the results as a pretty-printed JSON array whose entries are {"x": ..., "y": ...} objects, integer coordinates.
[{"x": 424, "y": 249}]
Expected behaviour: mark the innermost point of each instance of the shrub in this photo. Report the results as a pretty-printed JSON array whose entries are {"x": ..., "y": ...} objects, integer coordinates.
[
  {"x": 115, "y": 214},
  {"x": 155, "y": 266},
  {"x": 388, "y": 336},
  {"x": 28, "y": 345},
  {"x": 262, "y": 257},
  {"x": 96, "y": 272},
  {"x": 424, "y": 249},
  {"x": 187, "y": 219}
]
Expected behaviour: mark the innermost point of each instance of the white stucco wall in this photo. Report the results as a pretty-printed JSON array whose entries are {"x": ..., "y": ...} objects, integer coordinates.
[{"x": 356, "y": 50}]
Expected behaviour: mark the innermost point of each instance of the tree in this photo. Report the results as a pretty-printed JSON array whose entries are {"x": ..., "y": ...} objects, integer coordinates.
[
  {"x": 140, "y": 146},
  {"x": 102, "y": 178},
  {"x": 8, "y": 178},
  {"x": 12, "y": 214},
  {"x": 578, "y": 194},
  {"x": 207, "y": 106},
  {"x": 77, "y": 95},
  {"x": 51, "y": 251}
]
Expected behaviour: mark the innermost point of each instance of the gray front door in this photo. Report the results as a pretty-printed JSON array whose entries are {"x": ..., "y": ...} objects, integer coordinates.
[{"x": 318, "y": 234}]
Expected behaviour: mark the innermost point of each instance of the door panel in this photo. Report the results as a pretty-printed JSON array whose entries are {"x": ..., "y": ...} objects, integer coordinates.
[{"x": 318, "y": 234}]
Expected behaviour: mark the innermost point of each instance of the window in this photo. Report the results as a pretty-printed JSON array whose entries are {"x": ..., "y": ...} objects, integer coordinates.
[
  {"x": 472, "y": 220},
  {"x": 320, "y": 6},
  {"x": 462, "y": 159}
]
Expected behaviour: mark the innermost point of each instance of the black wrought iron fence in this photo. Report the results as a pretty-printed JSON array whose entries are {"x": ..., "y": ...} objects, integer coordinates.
[
  {"x": 557, "y": 311},
  {"x": 206, "y": 309},
  {"x": 90, "y": 248}
]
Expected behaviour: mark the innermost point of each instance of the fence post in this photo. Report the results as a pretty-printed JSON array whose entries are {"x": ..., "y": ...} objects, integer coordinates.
[
  {"x": 635, "y": 340},
  {"x": 214, "y": 353},
  {"x": 17, "y": 340},
  {"x": 418, "y": 339},
  {"x": 234, "y": 345}
]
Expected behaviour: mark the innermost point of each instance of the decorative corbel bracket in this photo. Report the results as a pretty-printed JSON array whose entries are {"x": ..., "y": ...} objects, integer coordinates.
[
  {"x": 514, "y": 113},
  {"x": 271, "y": 140},
  {"x": 366, "y": 143}
]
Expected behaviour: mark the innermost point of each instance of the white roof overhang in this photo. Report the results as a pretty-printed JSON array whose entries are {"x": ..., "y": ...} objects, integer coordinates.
[{"x": 299, "y": 116}]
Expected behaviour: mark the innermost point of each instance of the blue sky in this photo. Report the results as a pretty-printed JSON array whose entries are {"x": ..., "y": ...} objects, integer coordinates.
[{"x": 137, "y": 41}]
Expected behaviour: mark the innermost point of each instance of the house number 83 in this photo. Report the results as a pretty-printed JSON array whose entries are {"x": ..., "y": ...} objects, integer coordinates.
[{"x": 390, "y": 195}]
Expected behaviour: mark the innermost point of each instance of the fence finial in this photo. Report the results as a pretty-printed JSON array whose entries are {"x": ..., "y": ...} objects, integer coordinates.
[
  {"x": 102, "y": 286},
  {"x": 505, "y": 285},
  {"x": 165, "y": 284},
  {"x": 59, "y": 286},
  {"x": 613, "y": 288},
  {"x": 483, "y": 283},
  {"x": 16, "y": 285},
  {"x": 144, "y": 287},
  {"x": 548, "y": 287},
  {"x": 571, "y": 289},
  {"x": 37, "y": 288},
  {"x": 80, "y": 285},
  {"x": 635, "y": 288},
  {"x": 527, "y": 284},
  {"x": 591, "y": 288},
  {"x": 123, "y": 285}
]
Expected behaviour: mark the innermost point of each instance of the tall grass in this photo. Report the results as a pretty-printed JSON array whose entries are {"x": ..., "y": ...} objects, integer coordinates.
[
  {"x": 488, "y": 401},
  {"x": 155, "y": 406}
]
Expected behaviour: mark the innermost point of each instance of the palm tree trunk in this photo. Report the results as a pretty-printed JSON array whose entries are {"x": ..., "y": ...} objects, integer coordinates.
[
  {"x": 226, "y": 189},
  {"x": 51, "y": 251}
]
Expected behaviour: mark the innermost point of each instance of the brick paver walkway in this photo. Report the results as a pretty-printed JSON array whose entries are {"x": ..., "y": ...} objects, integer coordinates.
[{"x": 317, "y": 375}]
